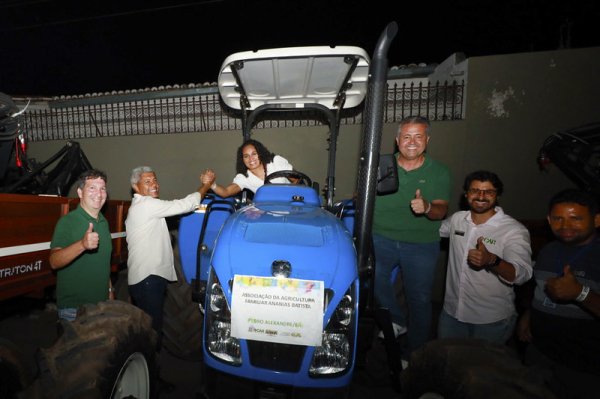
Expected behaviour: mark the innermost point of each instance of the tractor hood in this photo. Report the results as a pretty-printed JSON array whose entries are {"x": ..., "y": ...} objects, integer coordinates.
[
  {"x": 335, "y": 77},
  {"x": 316, "y": 244}
]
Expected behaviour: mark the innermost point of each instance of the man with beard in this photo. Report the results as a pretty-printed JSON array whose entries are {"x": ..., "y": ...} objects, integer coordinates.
[
  {"x": 489, "y": 253},
  {"x": 563, "y": 323}
]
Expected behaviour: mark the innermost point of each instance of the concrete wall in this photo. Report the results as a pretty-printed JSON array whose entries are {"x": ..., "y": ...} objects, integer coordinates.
[{"x": 514, "y": 103}]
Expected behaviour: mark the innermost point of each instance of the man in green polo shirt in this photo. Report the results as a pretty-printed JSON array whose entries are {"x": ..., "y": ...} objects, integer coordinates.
[
  {"x": 406, "y": 231},
  {"x": 81, "y": 248}
]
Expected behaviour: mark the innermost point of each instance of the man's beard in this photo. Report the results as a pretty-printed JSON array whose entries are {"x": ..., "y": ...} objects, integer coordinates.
[{"x": 482, "y": 210}]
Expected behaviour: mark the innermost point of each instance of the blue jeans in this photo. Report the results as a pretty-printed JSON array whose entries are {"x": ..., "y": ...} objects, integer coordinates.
[
  {"x": 417, "y": 263},
  {"x": 498, "y": 332},
  {"x": 149, "y": 295},
  {"x": 69, "y": 314}
]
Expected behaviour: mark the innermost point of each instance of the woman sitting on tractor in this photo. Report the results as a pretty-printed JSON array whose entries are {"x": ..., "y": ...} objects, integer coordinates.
[{"x": 253, "y": 164}]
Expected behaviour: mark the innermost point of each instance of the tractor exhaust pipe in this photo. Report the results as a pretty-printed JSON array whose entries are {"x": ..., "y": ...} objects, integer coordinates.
[{"x": 371, "y": 147}]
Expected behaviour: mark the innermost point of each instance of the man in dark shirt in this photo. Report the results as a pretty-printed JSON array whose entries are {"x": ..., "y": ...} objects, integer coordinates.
[{"x": 563, "y": 323}]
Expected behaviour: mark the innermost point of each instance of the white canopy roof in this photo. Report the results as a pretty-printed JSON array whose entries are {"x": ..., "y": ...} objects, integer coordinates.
[{"x": 295, "y": 76}]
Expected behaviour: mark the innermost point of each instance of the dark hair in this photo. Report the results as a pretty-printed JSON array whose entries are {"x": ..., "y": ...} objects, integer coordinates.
[
  {"x": 421, "y": 120},
  {"x": 576, "y": 196},
  {"x": 484, "y": 175},
  {"x": 264, "y": 155},
  {"x": 90, "y": 174}
]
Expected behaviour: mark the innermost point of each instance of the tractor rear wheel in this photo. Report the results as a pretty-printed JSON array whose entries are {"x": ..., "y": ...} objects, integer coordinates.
[
  {"x": 469, "y": 368},
  {"x": 107, "y": 352}
]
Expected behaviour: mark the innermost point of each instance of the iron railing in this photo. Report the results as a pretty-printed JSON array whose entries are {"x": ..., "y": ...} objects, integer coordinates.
[
  {"x": 435, "y": 101},
  {"x": 203, "y": 113}
]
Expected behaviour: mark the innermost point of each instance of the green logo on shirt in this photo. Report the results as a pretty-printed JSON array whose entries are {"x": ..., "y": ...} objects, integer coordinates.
[{"x": 489, "y": 241}]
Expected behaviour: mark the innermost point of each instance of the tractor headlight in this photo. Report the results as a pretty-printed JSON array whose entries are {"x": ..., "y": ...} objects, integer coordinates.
[
  {"x": 336, "y": 350},
  {"x": 333, "y": 356},
  {"x": 344, "y": 310},
  {"x": 218, "y": 301},
  {"x": 219, "y": 342}
]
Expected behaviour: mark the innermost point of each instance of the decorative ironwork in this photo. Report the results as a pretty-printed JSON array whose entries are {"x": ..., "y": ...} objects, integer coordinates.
[
  {"x": 437, "y": 102},
  {"x": 204, "y": 113}
]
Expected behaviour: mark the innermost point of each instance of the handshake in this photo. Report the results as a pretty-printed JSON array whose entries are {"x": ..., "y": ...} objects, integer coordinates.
[{"x": 208, "y": 177}]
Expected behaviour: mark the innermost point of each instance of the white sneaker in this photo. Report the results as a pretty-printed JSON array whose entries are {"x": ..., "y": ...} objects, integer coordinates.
[{"x": 398, "y": 330}]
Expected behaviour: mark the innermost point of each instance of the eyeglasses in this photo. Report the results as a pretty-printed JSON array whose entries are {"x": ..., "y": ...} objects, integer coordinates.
[{"x": 487, "y": 193}]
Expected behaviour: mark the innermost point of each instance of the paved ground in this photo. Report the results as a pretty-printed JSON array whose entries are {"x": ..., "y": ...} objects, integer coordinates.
[{"x": 31, "y": 324}]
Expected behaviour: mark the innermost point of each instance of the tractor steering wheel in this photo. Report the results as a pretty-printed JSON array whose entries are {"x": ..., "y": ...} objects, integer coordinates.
[{"x": 301, "y": 177}]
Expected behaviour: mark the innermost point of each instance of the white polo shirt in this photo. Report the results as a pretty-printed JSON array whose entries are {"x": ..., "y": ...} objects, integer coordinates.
[{"x": 478, "y": 296}]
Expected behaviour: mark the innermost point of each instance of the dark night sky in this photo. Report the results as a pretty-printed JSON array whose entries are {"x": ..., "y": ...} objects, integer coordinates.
[{"x": 64, "y": 47}]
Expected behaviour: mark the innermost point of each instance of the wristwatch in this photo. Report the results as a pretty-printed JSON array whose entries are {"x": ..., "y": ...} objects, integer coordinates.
[
  {"x": 496, "y": 262},
  {"x": 111, "y": 289}
]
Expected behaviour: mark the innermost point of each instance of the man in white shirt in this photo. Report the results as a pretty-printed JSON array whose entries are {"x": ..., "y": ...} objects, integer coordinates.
[
  {"x": 150, "y": 262},
  {"x": 489, "y": 253}
]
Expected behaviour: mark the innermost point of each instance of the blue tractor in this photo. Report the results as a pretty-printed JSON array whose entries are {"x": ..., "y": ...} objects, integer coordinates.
[{"x": 281, "y": 278}]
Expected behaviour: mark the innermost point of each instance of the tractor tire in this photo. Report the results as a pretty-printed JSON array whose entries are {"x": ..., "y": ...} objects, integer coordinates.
[
  {"x": 469, "y": 368},
  {"x": 16, "y": 373},
  {"x": 183, "y": 320},
  {"x": 107, "y": 352}
]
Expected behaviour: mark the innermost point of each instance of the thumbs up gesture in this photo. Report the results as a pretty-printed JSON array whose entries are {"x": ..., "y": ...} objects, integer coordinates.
[
  {"x": 91, "y": 239},
  {"x": 564, "y": 288},
  {"x": 480, "y": 256},
  {"x": 418, "y": 204}
]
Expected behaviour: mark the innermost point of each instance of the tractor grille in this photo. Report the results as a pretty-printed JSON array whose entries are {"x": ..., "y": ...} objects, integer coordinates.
[{"x": 277, "y": 357}]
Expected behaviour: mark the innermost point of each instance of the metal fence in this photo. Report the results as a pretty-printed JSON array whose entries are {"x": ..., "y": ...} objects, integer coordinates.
[
  {"x": 204, "y": 113},
  {"x": 436, "y": 101}
]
